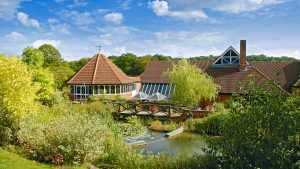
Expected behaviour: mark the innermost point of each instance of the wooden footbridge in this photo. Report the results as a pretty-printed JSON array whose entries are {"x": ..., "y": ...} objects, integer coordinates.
[{"x": 162, "y": 110}]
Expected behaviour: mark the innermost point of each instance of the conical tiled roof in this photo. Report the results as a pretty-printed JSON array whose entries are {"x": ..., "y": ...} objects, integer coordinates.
[{"x": 100, "y": 70}]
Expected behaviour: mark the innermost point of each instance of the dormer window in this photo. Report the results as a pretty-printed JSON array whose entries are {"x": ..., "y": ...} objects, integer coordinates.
[{"x": 229, "y": 57}]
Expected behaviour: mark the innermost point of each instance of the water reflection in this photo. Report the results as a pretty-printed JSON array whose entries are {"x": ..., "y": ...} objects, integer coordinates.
[{"x": 186, "y": 143}]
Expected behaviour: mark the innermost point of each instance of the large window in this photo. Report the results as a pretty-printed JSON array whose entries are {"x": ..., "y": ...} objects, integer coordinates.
[
  {"x": 229, "y": 57},
  {"x": 151, "y": 88},
  {"x": 81, "y": 92}
]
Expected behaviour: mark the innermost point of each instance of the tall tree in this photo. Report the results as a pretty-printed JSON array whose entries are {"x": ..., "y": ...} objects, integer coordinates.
[
  {"x": 62, "y": 72},
  {"x": 76, "y": 65},
  {"x": 42, "y": 77},
  {"x": 51, "y": 54},
  {"x": 192, "y": 85},
  {"x": 17, "y": 94},
  {"x": 142, "y": 63},
  {"x": 127, "y": 63}
]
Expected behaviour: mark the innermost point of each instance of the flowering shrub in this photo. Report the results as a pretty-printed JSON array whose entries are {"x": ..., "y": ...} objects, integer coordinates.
[{"x": 71, "y": 135}]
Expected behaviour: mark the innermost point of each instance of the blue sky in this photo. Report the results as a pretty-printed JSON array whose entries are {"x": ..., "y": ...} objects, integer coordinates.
[{"x": 180, "y": 28}]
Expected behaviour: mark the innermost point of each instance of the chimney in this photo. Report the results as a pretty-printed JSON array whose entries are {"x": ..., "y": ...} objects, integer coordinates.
[{"x": 243, "y": 63}]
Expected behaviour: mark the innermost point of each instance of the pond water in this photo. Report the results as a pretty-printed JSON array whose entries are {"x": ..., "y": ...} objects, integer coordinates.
[{"x": 186, "y": 143}]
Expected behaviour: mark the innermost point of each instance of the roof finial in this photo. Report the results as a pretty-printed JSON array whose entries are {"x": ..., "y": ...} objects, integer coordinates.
[{"x": 99, "y": 48}]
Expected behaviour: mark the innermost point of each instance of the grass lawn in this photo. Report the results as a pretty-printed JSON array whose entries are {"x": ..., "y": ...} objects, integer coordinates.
[{"x": 9, "y": 160}]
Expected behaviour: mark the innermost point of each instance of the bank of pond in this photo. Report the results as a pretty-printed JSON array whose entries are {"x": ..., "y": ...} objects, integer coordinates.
[{"x": 157, "y": 143}]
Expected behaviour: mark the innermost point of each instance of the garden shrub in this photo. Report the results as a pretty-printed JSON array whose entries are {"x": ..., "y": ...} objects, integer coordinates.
[
  {"x": 210, "y": 124},
  {"x": 170, "y": 126},
  {"x": 157, "y": 126},
  {"x": 127, "y": 129},
  {"x": 261, "y": 131},
  {"x": 135, "y": 120},
  {"x": 66, "y": 133}
]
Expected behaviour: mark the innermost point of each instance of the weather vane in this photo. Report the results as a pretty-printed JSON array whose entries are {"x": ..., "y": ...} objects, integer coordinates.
[{"x": 99, "y": 48}]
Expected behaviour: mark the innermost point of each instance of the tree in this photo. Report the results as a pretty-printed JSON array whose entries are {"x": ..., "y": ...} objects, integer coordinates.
[
  {"x": 42, "y": 77},
  {"x": 261, "y": 131},
  {"x": 77, "y": 65},
  {"x": 192, "y": 84},
  {"x": 51, "y": 54},
  {"x": 33, "y": 57},
  {"x": 17, "y": 94},
  {"x": 62, "y": 72},
  {"x": 127, "y": 63},
  {"x": 142, "y": 63},
  {"x": 161, "y": 57}
]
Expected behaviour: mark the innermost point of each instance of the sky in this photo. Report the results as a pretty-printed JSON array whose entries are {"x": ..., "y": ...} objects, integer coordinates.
[{"x": 179, "y": 28}]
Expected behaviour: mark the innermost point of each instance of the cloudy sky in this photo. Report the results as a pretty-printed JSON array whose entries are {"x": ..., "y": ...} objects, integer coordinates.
[{"x": 180, "y": 28}]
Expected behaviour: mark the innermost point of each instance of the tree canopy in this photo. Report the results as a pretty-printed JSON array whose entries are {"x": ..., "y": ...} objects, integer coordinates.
[
  {"x": 16, "y": 89},
  {"x": 51, "y": 54},
  {"x": 42, "y": 77},
  {"x": 192, "y": 84}
]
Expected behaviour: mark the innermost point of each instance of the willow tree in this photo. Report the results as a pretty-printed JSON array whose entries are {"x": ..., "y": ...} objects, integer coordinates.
[{"x": 192, "y": 85}]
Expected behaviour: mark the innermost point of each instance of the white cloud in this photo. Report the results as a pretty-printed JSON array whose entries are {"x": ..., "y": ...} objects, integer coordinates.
[
  {"x": 161, "y": 8},
  {"x": 14, "y": 36},
  {"x": 230, "y": 6},
  {"x": 38, "y": 43},
  {"x": 8, "y": 8},
  {"x": 78, "y": 3},
  {"x": 25, "y": 20},
  {"x": 114, "y": 17},
  {"x": 61, "y": 28},
  {"x": 52, "y": 20},
  {"x": 246, "y": 5},
  {"x": 78, "y": 18},
  {"x": 126, "y": 4}
]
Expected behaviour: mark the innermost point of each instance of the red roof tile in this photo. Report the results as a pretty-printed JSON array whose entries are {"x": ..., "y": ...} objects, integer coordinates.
[
  {"x": 230, "y": 79},
  {"x": 100, "y": 70},
  {"x": 286, "y": 74}
]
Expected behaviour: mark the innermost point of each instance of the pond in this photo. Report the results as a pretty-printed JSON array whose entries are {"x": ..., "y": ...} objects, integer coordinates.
[{"x": 186, "y": 143}]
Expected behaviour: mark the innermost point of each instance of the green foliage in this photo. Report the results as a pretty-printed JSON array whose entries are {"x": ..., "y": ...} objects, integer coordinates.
[
  {"x": 170, "y": 126},
  {"x": 93, "y": 98},
  {"x": 161, "y": 57},
  {"x": 17, "y": 95},
  {"x": 16, "y": 91},
  {"x": 76, "y": 132},
  {"x": 62, "y": 72},
  {"x": 42, "y": 78},
  {"x": 77, "y": 65},
  {"x": 261, "y": 131},
  {"x": 127, "y": 129},
  {"x": 142, "y": 63},
  {"x": 135, "y": 120},
  {"x": 127, "y": 63},
  {"x": 208, "y": 125},
  {"x": 51, "y": 54},
  {"x": 44, "y": 83},
  {"x": 32, "y": 57},
  {"x": 125, "y": 157},
  {"x": 266, "y": 58},
  {"x": 159, "y": 126},
  {"x": 192, "y": 84}
]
